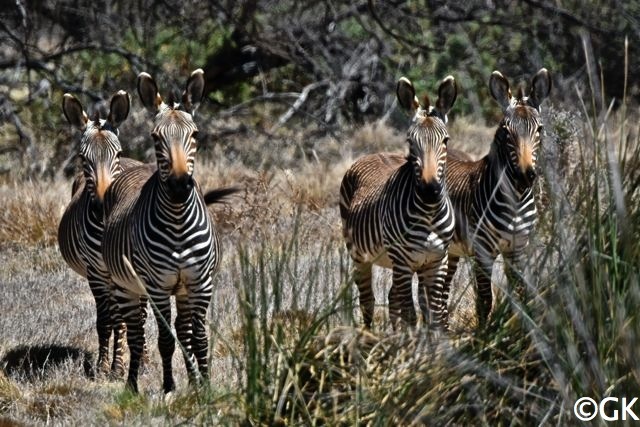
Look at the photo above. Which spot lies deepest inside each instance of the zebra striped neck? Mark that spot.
(425, 201)
(500, 202)
(417, 199)
(169, 201)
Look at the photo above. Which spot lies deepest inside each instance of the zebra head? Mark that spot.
(99, 146)
(428, 135)
(518, 135)
(174, 132)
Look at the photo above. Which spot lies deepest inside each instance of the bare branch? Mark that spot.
(267, 97)
(404, 40)
(299, 102)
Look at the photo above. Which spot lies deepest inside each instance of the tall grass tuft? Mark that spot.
(588, 327)
(288, 296)
(30, 213)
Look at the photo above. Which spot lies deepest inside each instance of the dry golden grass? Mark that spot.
(31, 212)
(283, 348)
(471, 137)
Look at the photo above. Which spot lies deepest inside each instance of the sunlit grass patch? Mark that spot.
(31, 212)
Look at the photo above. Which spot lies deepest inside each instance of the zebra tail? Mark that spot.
(220, 195)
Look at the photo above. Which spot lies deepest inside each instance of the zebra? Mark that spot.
(493, 197)
(81, 226)
(158, 233)
(396, 213)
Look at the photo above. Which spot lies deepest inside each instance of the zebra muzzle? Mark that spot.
(431, 190)
(180, 185)
(527, 177)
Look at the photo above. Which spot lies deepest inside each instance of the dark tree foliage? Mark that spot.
(326, 63)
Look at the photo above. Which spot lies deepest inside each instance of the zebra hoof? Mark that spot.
(103, 368)
(132, 386)
(169, 386)
(116, 373)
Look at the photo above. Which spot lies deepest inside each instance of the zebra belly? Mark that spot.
(383, 260)
(516, 235)
(83, 254)
(426, 258)
(172, 279)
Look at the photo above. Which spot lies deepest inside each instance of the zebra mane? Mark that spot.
(96, 118)
(174, 101)
(171, 99)
(520, 97)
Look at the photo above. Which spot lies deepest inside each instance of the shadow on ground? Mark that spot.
(30, 362)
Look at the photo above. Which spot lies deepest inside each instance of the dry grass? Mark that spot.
(283, 346)
(471, 137)
(31, 212)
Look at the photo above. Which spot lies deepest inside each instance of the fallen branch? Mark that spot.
(299, 102)
(269, 96)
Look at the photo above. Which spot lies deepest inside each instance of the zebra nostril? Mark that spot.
(531, 174)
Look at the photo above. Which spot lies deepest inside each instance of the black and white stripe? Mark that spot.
(396, 213)
(493, 197)
(158, 220)
(81, 227)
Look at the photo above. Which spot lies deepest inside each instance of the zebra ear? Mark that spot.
(540, 88)
(500, 91)
(119, 109)
(447, 94)
(195, 90)
(407, 95)
(74, 112)
(148, 91)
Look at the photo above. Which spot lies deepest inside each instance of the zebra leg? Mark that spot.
(514, 270)
(201, 344)
(401, 298)
(452, 266)
(143, 316)
(100, 290)
(484, 299)
(362, 277)
(184, 331)
(432, 288)
(129, 308)
(119, 336)
(166, 341)
(199, 303)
